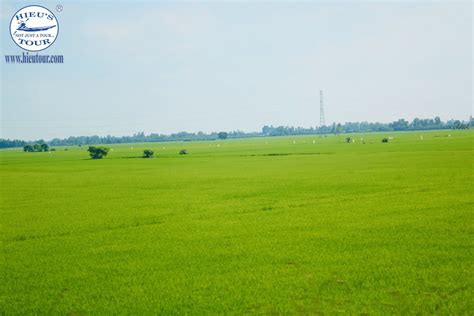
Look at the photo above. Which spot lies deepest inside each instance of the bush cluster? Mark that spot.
(97, 152)
(38, 147)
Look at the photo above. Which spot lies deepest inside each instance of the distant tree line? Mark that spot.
(136, 138)
(365, 127)
(142, 138)
(7, 143)
(348, 127)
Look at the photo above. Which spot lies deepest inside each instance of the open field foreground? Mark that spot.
(268, 225)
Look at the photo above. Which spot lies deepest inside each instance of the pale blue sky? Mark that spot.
(165, 67)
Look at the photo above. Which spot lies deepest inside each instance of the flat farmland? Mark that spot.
(272, 225)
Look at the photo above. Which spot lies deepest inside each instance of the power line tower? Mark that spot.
(321, 109)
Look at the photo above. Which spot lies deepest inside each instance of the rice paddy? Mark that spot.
(282, 225)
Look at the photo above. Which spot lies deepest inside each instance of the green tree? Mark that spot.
(222, 135)
(44, 147)
(97, 152)
(28, 148)
(457, 124)
(400, 125)
(148, 153)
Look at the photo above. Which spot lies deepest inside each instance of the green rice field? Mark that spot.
(272, 225)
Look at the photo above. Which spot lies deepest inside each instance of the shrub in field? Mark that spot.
(147, 153)
(38, 147)
(97, 152)
(384, 140)
(28, 148)
(183, 152)
(348, 140)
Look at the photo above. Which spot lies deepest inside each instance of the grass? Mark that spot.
(251, 226)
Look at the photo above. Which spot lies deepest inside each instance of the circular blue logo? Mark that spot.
(34, 28)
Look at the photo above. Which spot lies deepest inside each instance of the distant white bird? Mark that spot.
(314, 142)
